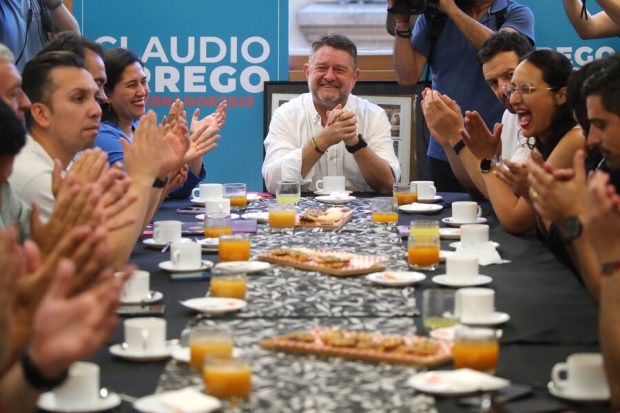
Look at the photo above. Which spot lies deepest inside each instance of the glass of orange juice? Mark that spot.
(384, 211)
(288, 191)
(476, 348)
(210, 341)
(238, 195)
(228, 285)
(235, 247)
(405, 193)
(216, 225)
(282, 217)
(227, 378)
(423, 245)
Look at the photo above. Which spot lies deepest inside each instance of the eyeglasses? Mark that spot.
(524, 89)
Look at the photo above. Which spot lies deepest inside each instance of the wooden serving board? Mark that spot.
(442, 355)
(347, 214)
(358, 265)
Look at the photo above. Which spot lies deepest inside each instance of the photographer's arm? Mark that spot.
(475, 32)
(409, 64)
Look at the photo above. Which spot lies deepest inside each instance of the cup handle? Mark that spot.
(144, 333)
(194, 193)
(479, 208)
(555, 374)
(433, 191)
(319, 187)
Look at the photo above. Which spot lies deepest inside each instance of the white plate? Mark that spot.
(450, 233)
(555, 391)
(167, 266)
(47, 401)
(444, 383)
(443, 254)
(457, 244)
(253, 196)
(329, 193)
(155, 296)
(491, 320)
(183, 355)
(436, 198)
(443, 279)
(118, 351)
(417, 208)
(328, 199)
(201, 217)
(250, 197)
(153, 404)
(214, 305)
(449, 221)
(209, 244)
(243, 266)
(151, 243)
(261, 217)
(396, 278)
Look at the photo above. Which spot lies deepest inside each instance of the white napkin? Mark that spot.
(339, 195)
(189, 400)
(466, 378)
(486, 253)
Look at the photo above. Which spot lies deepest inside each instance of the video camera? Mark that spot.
(408, 7)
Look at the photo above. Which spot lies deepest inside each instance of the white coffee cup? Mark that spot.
(474, 304)
(145, 334)
(186, 255)
(80, 391)
(137, 287)
(331, 184)
(426, 189)
(165, 232)
(461, 267)
(208, 191)
(585, 376)
(465, 212)
(473, 235)
(217, 206)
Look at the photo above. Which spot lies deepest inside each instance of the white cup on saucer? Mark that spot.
(137, 287)
(461, 268)
(208, 191)
(186, 255)
(474, 304)
(584, 376)
(331, 184)
(473, 235)
(426, 189)
(80, 391)
(465, 212)
(217, 206)
(165, 232)
(145, 334)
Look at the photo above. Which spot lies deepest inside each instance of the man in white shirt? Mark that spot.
(329, 131)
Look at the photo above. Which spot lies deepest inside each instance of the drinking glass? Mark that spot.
(238, 195)
(228, 285)
(282, 217)
(209, 341)
(227, 378)
(216, 225)
(288, 191)
(234, 247)
(405, 193)
(384, 211)
(423, 245)
(438, 308)
(476, 348)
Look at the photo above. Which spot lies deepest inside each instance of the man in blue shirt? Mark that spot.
(459, 30)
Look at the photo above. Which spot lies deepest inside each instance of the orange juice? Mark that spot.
(384, 217)
(238, 200)
(218, 346)
(282, 219)
(423, 255)
(228, 286)
(216, 232)
(477, 355)
(228, 381)
(234, 249)
(405, 197)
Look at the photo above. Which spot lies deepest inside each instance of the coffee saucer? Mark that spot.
(214, 305)
(119, 350)
(450, 233)
(336, 200)
(168, 266)
(209, 244)
(343, 193)
(443, 279)
(419, 208)
(436, 198)
(201, 217)
(248, 267)
(151, 243)
(198, 201)
(452, 223)
(47, 401)
(457, 244)
(493, 319)
(182, 354)
(151, 297)
(562, 394)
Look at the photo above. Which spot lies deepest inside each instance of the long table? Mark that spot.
(552, 316)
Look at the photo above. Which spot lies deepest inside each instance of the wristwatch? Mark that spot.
(160, 183)
(486, 165)
(360, 145)
(571, 228)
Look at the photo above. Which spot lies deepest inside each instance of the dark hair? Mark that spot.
(73, 42)
(576, 99)
(11, 130)
(337, 41)
(556, 70)
(604, 81)
(36, 80)
(504, 42)
(116, 61)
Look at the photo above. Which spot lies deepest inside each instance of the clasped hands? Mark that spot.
(341, 125)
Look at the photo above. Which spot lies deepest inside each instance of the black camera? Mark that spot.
(408, 7)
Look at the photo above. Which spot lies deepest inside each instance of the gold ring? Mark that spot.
(533, 195)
